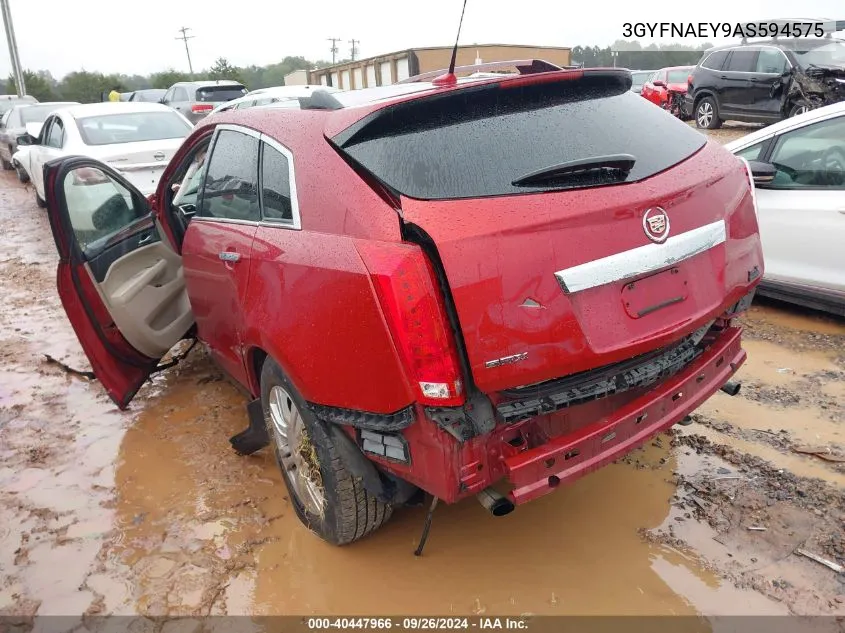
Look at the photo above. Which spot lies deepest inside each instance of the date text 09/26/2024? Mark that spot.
(723, 29)
(418, 623)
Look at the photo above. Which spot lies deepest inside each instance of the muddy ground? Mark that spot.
(150, 512)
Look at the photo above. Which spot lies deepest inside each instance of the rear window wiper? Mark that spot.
(612, 164)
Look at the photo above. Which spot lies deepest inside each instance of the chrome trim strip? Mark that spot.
(641, 260)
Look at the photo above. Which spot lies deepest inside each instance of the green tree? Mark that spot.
(222, 69)
(167, 78)
(37, 85)
(84, 86)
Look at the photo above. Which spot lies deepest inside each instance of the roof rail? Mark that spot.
(523, 66)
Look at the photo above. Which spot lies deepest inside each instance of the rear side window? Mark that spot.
(477, 141)
(715, 60)
(742, 61)
(275, 185)
(230, 190)
(220, 93)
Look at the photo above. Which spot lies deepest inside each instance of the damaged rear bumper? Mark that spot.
(538, 471)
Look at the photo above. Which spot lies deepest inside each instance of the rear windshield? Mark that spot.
(679, 75)
(220, 93)
(132, 127)
(37, 113)
(475, 142)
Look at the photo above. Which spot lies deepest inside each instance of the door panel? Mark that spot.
(736, 81)
(217, 258)
(145, 294)
(139, 309)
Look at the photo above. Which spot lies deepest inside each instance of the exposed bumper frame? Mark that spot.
(538, 471)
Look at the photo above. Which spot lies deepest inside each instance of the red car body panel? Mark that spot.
(218, 289)
(306, 298)
(658, 95)
(495, 259)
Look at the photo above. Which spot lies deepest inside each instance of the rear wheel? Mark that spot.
(6, 164)
(42, 204)
(325, 495)
(707, 114)
(22, 175)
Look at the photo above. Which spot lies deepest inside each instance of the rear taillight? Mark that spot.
(413, 307)
(89, 176)
(201, 107)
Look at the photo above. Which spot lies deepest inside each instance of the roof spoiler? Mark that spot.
(523, 66)
(320, 100)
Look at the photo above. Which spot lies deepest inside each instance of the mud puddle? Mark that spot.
(150, 511)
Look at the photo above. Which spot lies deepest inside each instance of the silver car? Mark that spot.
(196, 99)
(13, 124)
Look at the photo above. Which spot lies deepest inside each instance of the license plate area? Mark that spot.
(646, 296)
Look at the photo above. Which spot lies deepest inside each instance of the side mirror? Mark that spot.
(659, 82)
(25, 139)
(762, 173)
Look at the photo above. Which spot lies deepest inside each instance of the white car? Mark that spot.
(136, 139)
(266, 96)
(799, 173)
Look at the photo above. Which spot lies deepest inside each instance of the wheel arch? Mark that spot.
(701, 94)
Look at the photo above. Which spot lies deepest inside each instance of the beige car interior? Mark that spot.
(145, 294)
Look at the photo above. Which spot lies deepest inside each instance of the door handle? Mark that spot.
(146, 239)
(229, 256)
(723, 76)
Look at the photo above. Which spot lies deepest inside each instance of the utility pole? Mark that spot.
(17, 71)
(334, 41)
(185, 37)
(354, 49)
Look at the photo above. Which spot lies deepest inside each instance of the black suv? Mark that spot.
(763, 82)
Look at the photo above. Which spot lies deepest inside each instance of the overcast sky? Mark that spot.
(139, 36)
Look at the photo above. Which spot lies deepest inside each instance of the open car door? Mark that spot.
(121, 286)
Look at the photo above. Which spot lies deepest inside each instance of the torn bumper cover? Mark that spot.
(538, 471)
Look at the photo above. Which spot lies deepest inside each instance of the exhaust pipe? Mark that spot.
(495, 503)
(731, 388)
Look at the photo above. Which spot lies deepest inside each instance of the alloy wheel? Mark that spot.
(297, 454)
(705, 114)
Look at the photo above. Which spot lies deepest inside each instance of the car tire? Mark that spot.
(329, 501)
(21, 172)
(799, 107)
(42, 204)
(7, 166)
(707, 114)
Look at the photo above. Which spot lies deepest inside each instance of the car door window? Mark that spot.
(742, 60)
(754, 151)
(4, 122)
(276, 178)
(168, 96)
(771, 61)
(56, 136)
(715, 60)
(98, 207)
(812, 156)
(230, 188)
(180, 94)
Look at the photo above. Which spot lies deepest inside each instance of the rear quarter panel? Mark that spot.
(311, 305)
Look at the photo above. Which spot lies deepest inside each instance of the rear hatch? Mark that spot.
(552, 271)
(215, 95)
(142, 164)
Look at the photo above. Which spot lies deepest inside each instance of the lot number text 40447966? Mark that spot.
(418, 623)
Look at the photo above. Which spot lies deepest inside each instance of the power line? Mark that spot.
(334, 41)
(185, 37)
(354, 49)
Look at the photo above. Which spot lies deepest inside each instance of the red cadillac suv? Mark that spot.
(425, 286)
